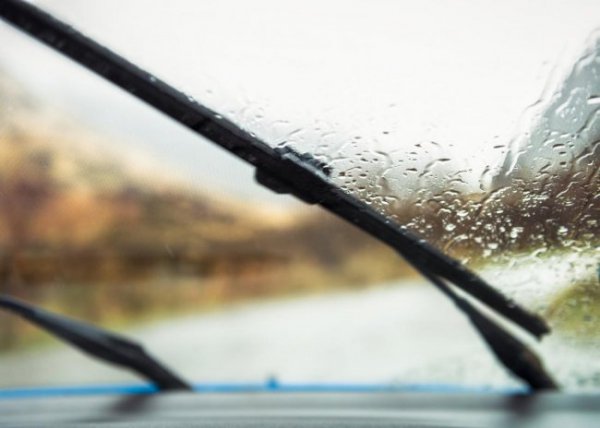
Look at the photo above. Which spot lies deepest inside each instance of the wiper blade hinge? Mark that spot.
(291, 159)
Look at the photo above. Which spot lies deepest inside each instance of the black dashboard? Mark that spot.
(305, 410)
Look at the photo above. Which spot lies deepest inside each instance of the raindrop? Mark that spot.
(593, 100)
(450, 227)
(515, 232)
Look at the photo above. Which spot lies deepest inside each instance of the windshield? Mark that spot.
(473, 126)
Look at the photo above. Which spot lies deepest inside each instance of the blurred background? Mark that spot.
(475, 125)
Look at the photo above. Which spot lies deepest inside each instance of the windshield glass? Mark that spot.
(474, 125)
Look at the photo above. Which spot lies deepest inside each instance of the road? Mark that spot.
(400, 332)
(388, 333)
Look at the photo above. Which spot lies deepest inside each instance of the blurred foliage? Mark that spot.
(561, 210)
(82, 232)
(576, 310)
(83, 235)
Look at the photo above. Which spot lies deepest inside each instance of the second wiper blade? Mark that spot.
(98, 343)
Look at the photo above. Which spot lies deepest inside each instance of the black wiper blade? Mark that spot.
(98, 343)
(281, 170)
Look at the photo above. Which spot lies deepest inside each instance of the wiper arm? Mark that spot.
(98, 343)
(281, 170)
(515, 355)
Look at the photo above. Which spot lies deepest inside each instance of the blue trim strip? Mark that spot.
(269, 386)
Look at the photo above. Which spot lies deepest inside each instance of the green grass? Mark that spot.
(576, 310)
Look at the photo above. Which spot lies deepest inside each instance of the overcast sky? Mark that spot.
(387, 75)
